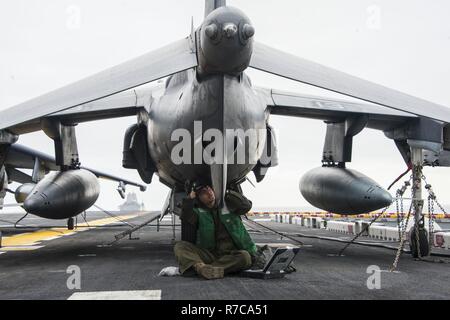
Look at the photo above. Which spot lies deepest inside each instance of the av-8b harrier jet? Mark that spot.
(207, 90)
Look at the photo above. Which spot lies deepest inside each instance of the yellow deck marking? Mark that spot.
(33, 238)
(26, 240)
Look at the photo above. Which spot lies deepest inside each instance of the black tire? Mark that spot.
(71, 224)
(188, 232)
(423, 243)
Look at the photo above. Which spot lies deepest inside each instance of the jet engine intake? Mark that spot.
(136, 154)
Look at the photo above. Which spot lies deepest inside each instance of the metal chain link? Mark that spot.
(397, 206)
(400, 209)
(431, 215)
(402, 241)
(431, 197)
(404, 225)
(440, 206)
(431, 218)
(364, 230)
(435, 201)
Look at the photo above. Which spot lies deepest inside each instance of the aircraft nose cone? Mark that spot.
(34, 203)
(230, 30)
(383, 197)
(375, 198)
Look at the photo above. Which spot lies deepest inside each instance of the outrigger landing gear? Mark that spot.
(419, 242)
(419, 245)
(70, 224)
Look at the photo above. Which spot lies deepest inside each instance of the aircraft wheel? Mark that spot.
(70, 224)
(423, 243)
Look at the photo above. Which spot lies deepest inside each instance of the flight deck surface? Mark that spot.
(34, 265)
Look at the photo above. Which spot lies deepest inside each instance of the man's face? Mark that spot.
(207, 197)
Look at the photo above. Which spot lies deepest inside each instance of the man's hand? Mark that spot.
(192, 195)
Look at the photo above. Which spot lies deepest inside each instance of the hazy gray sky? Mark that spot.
(402, 44)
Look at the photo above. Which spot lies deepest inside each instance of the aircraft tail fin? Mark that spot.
(211, 5)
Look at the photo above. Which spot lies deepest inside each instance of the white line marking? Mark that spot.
(389, 271)
(2, 252)
(52, 238)
(87, 255)
(278, 244)
(21, 248)
(117, 295)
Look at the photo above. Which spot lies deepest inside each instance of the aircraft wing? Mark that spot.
(285, 103)
(288, 66)
(122, 104)
(22, 157)
(152, 66)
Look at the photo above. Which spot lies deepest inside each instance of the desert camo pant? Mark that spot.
(188, 254)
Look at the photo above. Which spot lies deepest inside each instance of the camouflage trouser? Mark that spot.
(188, 254)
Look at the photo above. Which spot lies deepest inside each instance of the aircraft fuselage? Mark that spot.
(218, 95)
(217, 102)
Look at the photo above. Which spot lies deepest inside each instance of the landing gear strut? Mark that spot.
(418, 236)
(70, 224)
